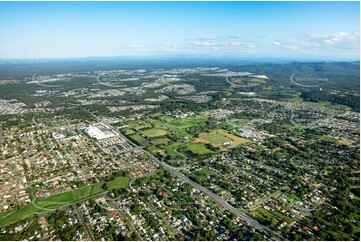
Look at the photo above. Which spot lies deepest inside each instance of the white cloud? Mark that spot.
(203, 43)
(341, 40)
(221, 44)
(170, 48)
(134, 46)
(291, 47)
(251, 46)
(234, 43)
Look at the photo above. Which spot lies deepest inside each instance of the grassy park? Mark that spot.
(49, 204)
(219, 137)
(119, 182)
(161, 131)
(199, 149)
(150, 133)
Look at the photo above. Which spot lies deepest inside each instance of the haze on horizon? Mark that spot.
(319, 30)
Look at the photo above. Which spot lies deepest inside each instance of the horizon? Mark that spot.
(255, 59)
(326, 31)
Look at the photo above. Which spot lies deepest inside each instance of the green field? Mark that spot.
(129, 131)
(88, 191)
(152, 149)
(19, 215)
(140, 125)
(170, 149)
(185, 122)
(263, 214)
(119, 182)
(216, 138)
(48, 204)
(199, 149)
(137, 137)
(161, 141)
(293, 198)
(154, 132)
(60, 199)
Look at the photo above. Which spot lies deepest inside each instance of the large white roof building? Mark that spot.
(100, 131)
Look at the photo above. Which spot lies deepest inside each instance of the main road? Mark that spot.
(195, 185)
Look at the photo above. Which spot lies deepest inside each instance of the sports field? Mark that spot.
(215, 138)
(218, 137)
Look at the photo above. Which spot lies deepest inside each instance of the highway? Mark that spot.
(195, 185)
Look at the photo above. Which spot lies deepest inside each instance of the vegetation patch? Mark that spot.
(47, 204)
(216, 139)
(161, 141)
(119, 182)
(129, 131)
(154, 132)
(293, 198)
(199, 149)
(220, 137)
(185, 122)
(137, 137)
(141, 126)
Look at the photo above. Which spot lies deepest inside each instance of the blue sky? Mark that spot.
(320, 30)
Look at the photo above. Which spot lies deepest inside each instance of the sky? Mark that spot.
(313, 30)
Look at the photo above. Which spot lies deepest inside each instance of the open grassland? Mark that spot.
(273, 218)
(236, 141)
(18, 215)
(185, 122)
(119, 182)
(215, 138)
(140, 125)
(161, 141)
(199, 149)
(172, 149)
(49, 204)
(129, 131)
(218, 137)
(137, 137)
(154, 132)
